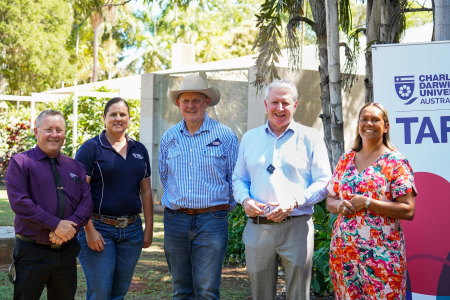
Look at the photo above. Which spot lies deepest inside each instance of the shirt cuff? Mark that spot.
(52, 222)
(301, 200)
(240, 198)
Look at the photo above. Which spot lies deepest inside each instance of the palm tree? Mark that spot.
(95, 10)
(91, 9)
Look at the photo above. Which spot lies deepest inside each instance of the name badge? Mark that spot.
(270, 169)
(214, 143)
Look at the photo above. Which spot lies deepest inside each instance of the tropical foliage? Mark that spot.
(14, 134)
(219, 29)
(15, 131)
(33, 35)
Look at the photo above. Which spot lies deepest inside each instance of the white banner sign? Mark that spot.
(413, 82)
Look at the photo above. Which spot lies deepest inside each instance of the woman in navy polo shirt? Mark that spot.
(118, 170)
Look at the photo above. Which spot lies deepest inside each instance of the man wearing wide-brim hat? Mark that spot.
(196, 163)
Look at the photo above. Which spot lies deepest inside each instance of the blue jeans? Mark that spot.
(109, 272)
(195, 247)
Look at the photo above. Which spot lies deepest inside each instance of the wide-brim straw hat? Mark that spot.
(195, 83)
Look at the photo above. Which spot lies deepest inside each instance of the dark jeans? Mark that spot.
(38, 266)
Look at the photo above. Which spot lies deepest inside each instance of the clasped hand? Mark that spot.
(63, 233)
(282, 210)
(355, 204)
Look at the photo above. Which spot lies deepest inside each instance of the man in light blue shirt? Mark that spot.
(281, 172)
(196, 162)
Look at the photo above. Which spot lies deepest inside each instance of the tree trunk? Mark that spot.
(373, 22)
(334, 69)
(442, 18)
(325, 93)
(317, 10)
(96, 20)
(379, 30)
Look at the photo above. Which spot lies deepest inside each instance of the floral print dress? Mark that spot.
(367, 251)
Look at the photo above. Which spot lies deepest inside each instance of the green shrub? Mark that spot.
(15, 131)
(236, 249)
(15, 134)
(323, 224)
(90, 122)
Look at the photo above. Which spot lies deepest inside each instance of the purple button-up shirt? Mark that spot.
(33, 197)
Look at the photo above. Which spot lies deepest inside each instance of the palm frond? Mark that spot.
(268, 22)
(293, 41)
(348, 74)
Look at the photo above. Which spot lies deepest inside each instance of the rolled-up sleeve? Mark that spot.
(20, 201)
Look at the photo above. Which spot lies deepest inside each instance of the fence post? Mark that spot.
(148, 129)
(33, 112)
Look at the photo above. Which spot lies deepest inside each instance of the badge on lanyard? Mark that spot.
(270, 169)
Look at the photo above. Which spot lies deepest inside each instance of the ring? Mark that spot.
(344, 208)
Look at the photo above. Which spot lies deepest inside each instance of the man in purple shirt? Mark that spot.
(49, 194)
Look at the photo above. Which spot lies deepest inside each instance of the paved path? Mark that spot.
(6, 232)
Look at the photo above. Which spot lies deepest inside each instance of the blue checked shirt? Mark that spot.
(301, 163)
(196, 170)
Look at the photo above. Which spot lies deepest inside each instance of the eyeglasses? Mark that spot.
(266, 209)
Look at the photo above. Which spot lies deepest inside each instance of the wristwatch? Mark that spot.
(367, 202)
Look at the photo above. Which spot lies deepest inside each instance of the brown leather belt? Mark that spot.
(264, 220)
(30, 240)
(119, 222)
(192, 211)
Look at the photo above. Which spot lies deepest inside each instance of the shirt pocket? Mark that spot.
(215, 157)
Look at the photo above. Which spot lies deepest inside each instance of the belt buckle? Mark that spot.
(123, 222)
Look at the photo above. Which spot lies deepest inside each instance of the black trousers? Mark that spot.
(38, 266)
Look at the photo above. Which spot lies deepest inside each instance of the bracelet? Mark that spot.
(367, 202)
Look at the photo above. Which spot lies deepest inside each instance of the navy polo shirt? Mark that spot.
(115, 181)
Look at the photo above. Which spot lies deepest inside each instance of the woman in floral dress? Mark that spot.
(372, 188)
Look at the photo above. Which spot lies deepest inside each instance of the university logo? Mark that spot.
(404, 86)
(138, 156)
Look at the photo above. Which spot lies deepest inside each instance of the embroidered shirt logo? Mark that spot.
(75, 178)
(138, 156)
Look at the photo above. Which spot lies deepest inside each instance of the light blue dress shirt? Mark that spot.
(196, 170)
(302, 168)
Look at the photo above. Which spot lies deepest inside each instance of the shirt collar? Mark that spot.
(40, 155)
(206, 125)
(106, 144)
(291, 127)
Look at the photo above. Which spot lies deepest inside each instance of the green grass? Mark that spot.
(6, 214)
(151, 278)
